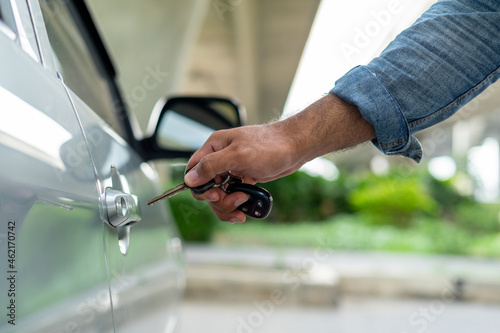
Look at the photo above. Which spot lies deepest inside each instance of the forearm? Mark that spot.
(330, 124)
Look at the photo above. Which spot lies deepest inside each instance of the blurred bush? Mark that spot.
(478, 218)
(399, 199)
(194, 219)
(405, 200)
(300, 197)
(393, 199)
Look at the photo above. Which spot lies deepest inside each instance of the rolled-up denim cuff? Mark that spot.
(362, 88)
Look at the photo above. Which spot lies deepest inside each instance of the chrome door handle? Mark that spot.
(119, 208)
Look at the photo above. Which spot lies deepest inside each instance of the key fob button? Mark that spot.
(259, 202)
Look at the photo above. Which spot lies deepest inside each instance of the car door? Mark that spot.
(54, 274)
(113, 278)
(144, 258)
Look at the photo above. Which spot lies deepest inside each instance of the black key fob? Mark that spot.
(259, 203)
(202, 188)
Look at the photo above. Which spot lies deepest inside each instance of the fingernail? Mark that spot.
(240, 201)
(234, 220)
(191, 177)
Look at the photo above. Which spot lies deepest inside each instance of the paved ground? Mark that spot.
(348, 263)
(357, 312)
(353, 315)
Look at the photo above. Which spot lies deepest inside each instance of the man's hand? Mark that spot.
(255, 153)
(263, 153)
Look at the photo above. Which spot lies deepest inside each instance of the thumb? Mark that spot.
(206, 169)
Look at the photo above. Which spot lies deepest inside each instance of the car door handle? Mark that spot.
(120, 208)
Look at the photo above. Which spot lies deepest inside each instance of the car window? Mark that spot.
(76, 59)
(6, 16)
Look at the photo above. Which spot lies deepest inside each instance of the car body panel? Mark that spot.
(48, 189)
(57, 158)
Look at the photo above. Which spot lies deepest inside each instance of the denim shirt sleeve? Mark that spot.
(432, 69)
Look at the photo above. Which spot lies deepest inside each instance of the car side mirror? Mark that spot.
(180, 125)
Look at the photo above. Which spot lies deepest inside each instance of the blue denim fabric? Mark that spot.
(432, 69)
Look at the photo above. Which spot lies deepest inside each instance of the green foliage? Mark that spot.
(478, 218)
(443, 237)
(403, 212)
(350, 232)
(300, 196)
(463, 211)
(445, 194)
(409, 211)
(195, 220)
(393, 199)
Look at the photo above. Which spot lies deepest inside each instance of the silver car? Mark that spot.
(80, 249)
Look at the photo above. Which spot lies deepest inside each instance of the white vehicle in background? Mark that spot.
(80, 249)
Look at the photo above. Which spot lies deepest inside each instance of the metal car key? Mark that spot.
(180, 188)
(259, 201)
